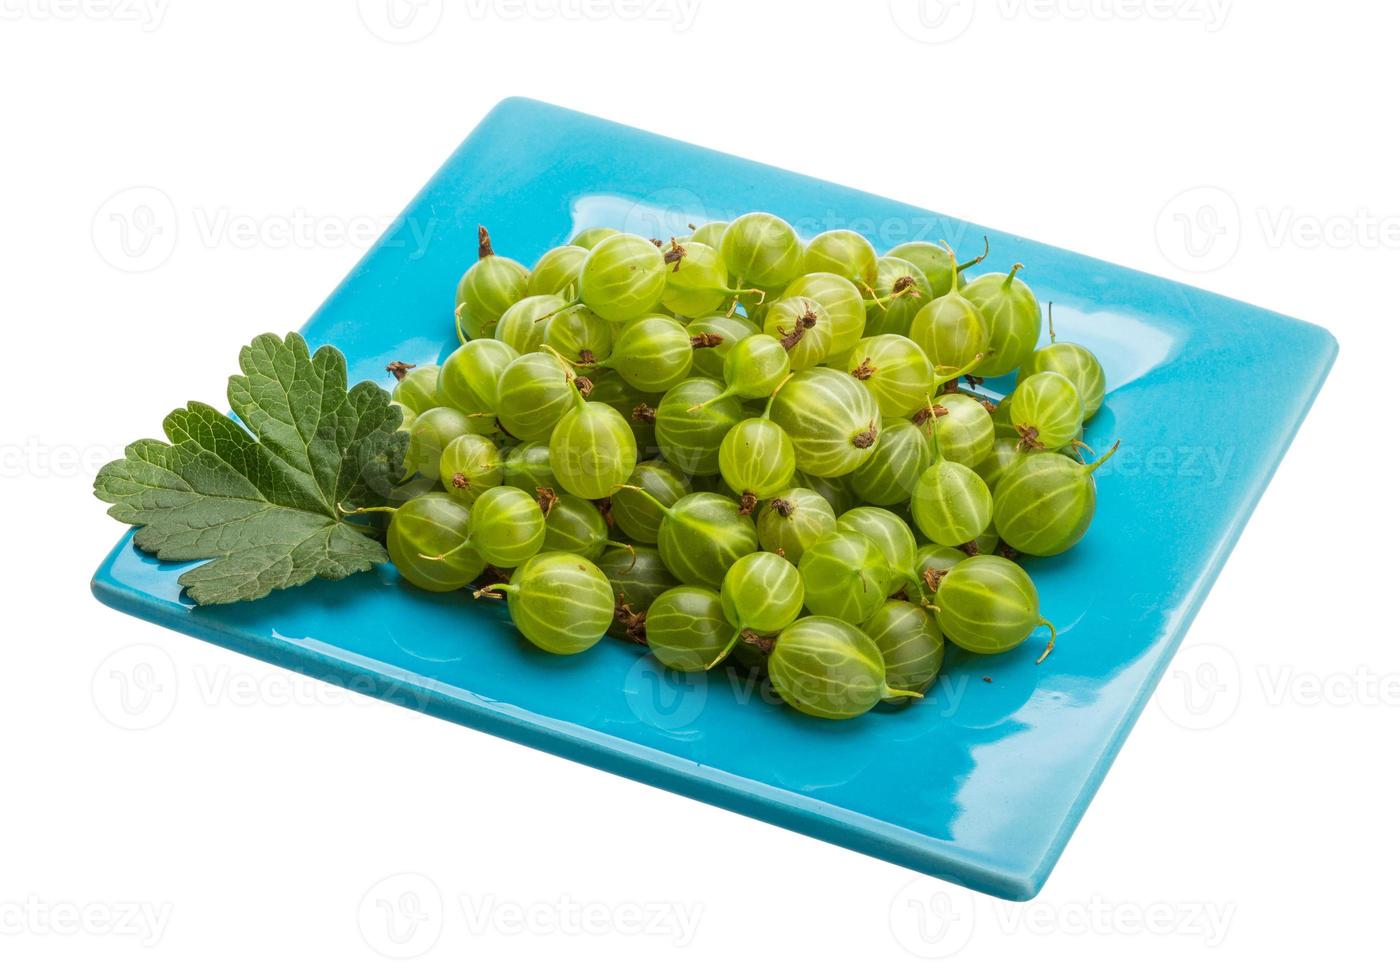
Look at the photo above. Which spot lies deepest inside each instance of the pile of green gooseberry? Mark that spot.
(739, 447)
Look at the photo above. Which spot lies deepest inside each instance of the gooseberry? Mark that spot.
(686, 628)
(829, 669)
(654, 353)
(487, 289)
(637, 514)
(533, 394)
(844, 253)
(895, 370)
(416, 385)
(1074, 362)
(469, 465)
(1012, 317)
(988, 604)
(845, 575)
(761, 250)
(900, 292)
(589, 237)
(429, 435)
(803, 327)
(592, 448)
(910, 644)
(709, 356)
(691, 439)
(710, 233)
(696, 279)
(522, 327)
(938, 263)
(794, 519)
(963, 426)
(761, 594)
(949, 329)
(468, 379)
(1047, 411)
(830, 417)
(701, 535)
(561, 602)
(526, 467)
(556, 274)
(1044, 503)
(756, 460)
(950, 504)
(900, 456)
(843, 304)
(892, 536)
(622, 278)
(432, 524)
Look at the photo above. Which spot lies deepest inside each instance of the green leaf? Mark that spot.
(264, 503)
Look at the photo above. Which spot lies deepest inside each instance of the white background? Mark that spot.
(252, 822)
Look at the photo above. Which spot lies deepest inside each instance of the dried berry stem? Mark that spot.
(763, 644)
(674, 254)
(747, 502)
(547, 498)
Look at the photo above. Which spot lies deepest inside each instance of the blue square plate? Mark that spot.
(982, 783)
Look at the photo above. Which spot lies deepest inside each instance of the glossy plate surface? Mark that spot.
(981, 784)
